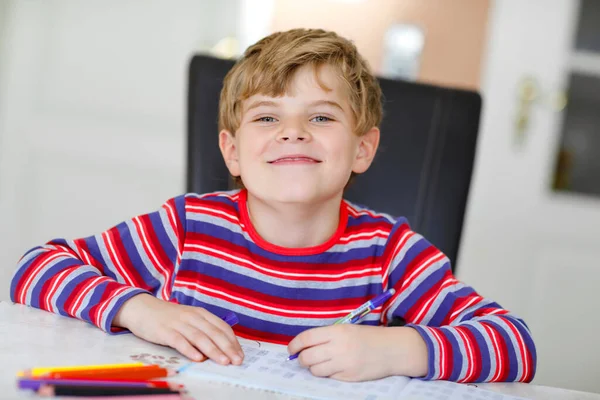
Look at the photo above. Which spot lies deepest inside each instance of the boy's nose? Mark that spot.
(292, 134)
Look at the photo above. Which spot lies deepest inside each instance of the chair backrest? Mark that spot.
(422, 170)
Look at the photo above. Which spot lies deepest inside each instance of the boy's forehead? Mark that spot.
(309, 84)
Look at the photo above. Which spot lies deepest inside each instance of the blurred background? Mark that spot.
(93, 131)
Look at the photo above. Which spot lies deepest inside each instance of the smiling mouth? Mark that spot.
(295, 160)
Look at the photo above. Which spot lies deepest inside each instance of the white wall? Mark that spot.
(92, 108)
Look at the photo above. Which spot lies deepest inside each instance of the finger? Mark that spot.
(325, 369)
(178, 341)
(218, 337)
(343, 376)
(199, 338)
(314, 355)
(309, 338)
(226, 329)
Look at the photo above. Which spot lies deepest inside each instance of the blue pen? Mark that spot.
(360, 312)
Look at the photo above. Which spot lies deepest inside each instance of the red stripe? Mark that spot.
(495, 341)
(476, 360)
(273, 301)
(82, 244)
(58, 279)
(469, 353)
(124, 260)
(393, 247)
(157, 247)
(141, 225)
(239, 299)
(262, 336)
(109, 243)
(175, 226)
(86, 286)
(231, 250)
(33, 270)
(426, 306)
(268, 270)
(522, 351)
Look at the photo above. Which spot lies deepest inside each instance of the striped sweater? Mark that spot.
(202, 250)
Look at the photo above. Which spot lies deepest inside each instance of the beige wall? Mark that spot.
(455, 31)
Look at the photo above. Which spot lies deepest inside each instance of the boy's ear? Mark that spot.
(228, 146)
(367, 148)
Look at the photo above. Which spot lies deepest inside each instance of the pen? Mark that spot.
(360, 312)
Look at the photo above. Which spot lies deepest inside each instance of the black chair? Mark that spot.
(423, 168)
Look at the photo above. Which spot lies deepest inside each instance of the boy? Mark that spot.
(298, 116)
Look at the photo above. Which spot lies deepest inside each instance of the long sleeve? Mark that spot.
(90, 278)
(469, 338)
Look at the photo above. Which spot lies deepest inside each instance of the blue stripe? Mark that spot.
(243, 281)
(49, 274)
(67, 290)
(457, 355)
(236, 239)
(397, 271)
(417, 294)
(255, 323)
(135, 259)
(484, 353)
(23, 269)
(447, 305)
(527, 338)
(511, 354)
(94, 250)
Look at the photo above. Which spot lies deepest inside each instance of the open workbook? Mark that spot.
(265, 367)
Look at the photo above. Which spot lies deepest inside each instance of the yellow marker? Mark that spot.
(45, 370)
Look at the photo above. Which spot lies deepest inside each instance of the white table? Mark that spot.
(30, 337)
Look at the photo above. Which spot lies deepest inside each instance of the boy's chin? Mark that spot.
(294, 194)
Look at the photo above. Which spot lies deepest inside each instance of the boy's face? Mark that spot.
(299, 148)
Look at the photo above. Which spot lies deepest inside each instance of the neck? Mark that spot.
(294, 225)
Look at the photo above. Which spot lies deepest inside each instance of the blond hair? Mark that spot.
(268, 67)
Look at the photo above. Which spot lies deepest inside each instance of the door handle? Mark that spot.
(530, 94)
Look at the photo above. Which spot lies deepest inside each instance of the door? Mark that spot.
(92, 112)
(533, 248)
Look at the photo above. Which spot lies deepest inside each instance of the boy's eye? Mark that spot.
(321, 118)
(266, 119)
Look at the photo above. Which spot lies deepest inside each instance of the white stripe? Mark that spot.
(258, 305)
(82, 254)
(276, 272)
(143, 255)
(230, 194)
(442, 353)
(154, 258)
(101, 319)
(368, 235)
(34, 274)
(431, 260)
(111, 248)
(213, 211)
(492, 333)
(73, 274)
(85, 295)
(449, 287)
(357, 211)
(400, 248)
(51, 293)
(167, 214)
(463, 309)
(469, 358)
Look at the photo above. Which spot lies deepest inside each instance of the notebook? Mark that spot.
(265, 368)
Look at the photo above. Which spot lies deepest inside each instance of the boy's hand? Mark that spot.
(193, 331)
(359, 352)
